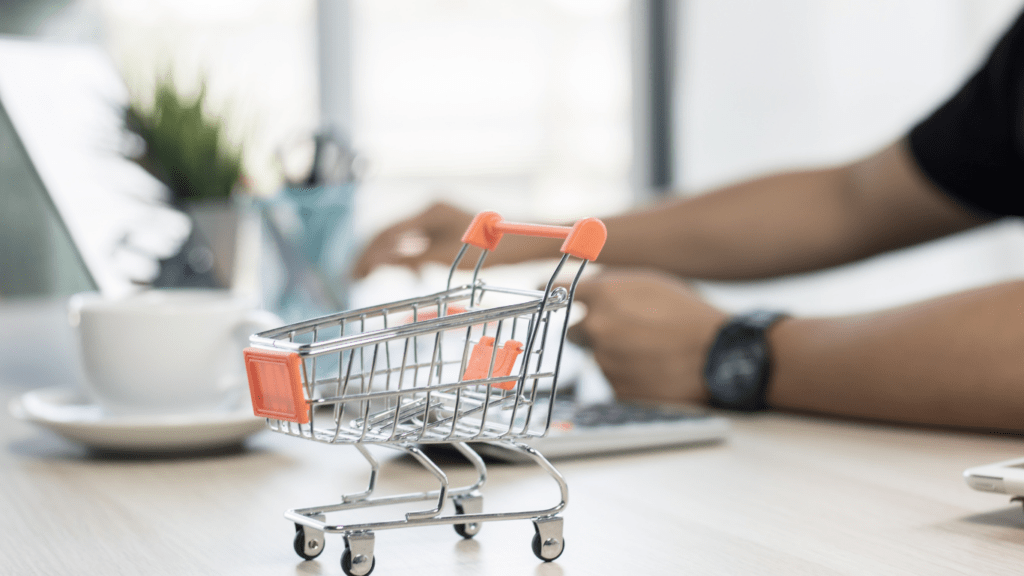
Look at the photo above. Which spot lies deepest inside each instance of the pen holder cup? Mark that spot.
(307, 250)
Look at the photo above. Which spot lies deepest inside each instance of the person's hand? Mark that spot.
(649, 334)
(434, 235)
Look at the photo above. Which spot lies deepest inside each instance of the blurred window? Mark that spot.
(522, 106)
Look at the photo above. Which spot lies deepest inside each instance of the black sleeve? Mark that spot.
(973, 146)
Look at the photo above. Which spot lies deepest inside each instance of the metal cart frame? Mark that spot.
(314, 381)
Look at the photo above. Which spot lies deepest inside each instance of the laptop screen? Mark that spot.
(63, 114)
(37, 257)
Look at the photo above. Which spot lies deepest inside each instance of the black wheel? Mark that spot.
(537, 549)
(346, 563)
(306, 553)
(465, 530)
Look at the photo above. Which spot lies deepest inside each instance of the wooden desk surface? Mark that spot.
(785, 495)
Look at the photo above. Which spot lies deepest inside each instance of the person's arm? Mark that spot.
(788, 223)
(780, 224)
(950, 361)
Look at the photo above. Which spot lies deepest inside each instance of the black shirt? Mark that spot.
(972, 147)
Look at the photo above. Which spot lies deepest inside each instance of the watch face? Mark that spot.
(737, 375)
(736, 372)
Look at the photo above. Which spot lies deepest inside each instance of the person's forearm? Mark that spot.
(952, 361)
(769, 226)
(773, 225)
(782, 224)
(754, 229)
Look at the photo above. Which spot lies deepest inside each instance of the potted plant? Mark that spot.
(185, 148)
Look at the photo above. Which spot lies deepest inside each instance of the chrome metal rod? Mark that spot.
(556, 299)
(477, 462)
(374, 469)
(561, 346)
(305, 516)
(476, 273)
(455, 264)
(532, 338)
(551, 470)
(427, 463)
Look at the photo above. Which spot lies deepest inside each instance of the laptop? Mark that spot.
(61, 110)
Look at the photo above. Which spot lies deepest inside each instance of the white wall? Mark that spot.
(766, 84)
(770, 85)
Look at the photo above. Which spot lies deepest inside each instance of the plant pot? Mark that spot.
(208, 258)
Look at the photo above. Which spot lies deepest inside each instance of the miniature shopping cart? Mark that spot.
(474, 363)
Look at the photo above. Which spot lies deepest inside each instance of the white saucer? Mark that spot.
(71, 414)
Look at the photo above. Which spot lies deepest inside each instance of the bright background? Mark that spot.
(527, 106)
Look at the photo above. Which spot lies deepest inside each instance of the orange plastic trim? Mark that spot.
(584, 240)
(539, 230)
(480, 361)
(481, 232)
(275, 385)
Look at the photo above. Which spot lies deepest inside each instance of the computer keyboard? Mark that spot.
(614, 414)
(608, 427)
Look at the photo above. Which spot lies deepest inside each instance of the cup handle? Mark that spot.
(254, 321)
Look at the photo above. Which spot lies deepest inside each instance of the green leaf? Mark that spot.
(185, 148)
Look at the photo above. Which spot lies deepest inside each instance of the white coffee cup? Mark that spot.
(176, 351)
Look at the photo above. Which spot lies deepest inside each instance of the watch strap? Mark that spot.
(750, 326)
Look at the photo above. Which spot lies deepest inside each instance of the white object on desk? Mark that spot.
(164, 352)
(72, 415)
(1005, 477)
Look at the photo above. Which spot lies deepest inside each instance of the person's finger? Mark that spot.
(402, 244)
(430, 236)
(370, 258)
(382, 249)
(618, 374)
(587, 291)
(593, 329)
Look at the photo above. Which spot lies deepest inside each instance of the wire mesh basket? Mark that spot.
(472, 363)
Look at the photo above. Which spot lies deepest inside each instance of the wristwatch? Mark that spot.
(739, 362)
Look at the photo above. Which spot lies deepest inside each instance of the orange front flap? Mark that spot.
(504, 360)
(275, 384)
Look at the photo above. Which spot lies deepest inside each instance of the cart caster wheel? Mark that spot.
(465, 530)
(548, 550)
(307, 548)
(348, 564)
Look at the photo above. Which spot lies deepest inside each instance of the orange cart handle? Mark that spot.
(582, 240)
